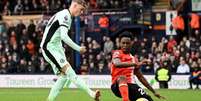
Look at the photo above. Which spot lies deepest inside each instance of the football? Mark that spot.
(141, 99)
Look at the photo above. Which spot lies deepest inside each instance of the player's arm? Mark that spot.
(117, 62)
(142, 79)
(67, 39)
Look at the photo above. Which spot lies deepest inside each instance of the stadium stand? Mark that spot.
(19, 43)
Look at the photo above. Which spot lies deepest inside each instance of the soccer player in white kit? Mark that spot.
(55, 32)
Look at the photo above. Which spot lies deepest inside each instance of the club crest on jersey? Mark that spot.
(65, 19)
(62, 60)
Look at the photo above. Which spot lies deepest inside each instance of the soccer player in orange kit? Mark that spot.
(123, 68)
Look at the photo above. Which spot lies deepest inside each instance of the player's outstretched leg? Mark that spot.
(70, 74)
(123, 88)
(56, 89)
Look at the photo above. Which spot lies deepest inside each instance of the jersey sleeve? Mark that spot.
(64, 20)
(65, 23)
(67, 39)
(116, 54)
(135, 59)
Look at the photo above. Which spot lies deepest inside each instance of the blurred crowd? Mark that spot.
(19, 7)
(20, 52)
(19, 47)
(180, 57)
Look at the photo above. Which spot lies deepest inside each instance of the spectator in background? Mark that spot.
(18, 8)
(43, 66)
(92, 68)
(186, 42)
(108, 46)
(195, 22)
(195, 75)
(163, 75)
(183, 68)
(11, 28)
(25, 37)
(103, 4)
(117, 43)
(193, 46)
(30, 67)
(179, 25)
(58, 5)
(198, 35)
(142, 49)
(174, 4)
(13, 38)
(88, 39)
(31, 27)
(162, 43)
(4, 38)
(19, 28)
(1, 49)
(93, 3)
(116, 4)
(35, 6)
(6, 10)
(22, 67)
(174, 63)
(154, 47)
(30, 47)
(84, 67)
(13, 62)
(26, 6)
(104, 24)
(171, 43)
(96, 47)
(101, 69)
(3, 65)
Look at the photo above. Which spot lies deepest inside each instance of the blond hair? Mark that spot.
(81, 2)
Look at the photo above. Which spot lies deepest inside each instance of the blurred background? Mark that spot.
(165, 31)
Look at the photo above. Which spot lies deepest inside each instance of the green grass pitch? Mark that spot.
(8, 94)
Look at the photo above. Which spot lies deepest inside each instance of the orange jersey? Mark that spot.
(125, 71)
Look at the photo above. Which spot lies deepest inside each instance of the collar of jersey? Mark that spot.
(70, 13)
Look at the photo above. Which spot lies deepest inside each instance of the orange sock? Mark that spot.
(123, 88)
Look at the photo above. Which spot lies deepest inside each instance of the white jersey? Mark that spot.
(56, 31)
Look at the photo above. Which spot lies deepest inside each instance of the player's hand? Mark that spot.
(143, 62)
(82, 50)
(159, 96)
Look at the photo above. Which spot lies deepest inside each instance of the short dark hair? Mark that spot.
(126, 34)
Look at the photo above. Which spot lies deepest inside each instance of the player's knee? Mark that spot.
(71, 75)
(65, 68)
(122, 79)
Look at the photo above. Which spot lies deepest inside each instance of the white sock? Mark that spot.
(56, 88)
(70, 73)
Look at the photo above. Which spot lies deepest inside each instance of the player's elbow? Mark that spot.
(118, 65)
